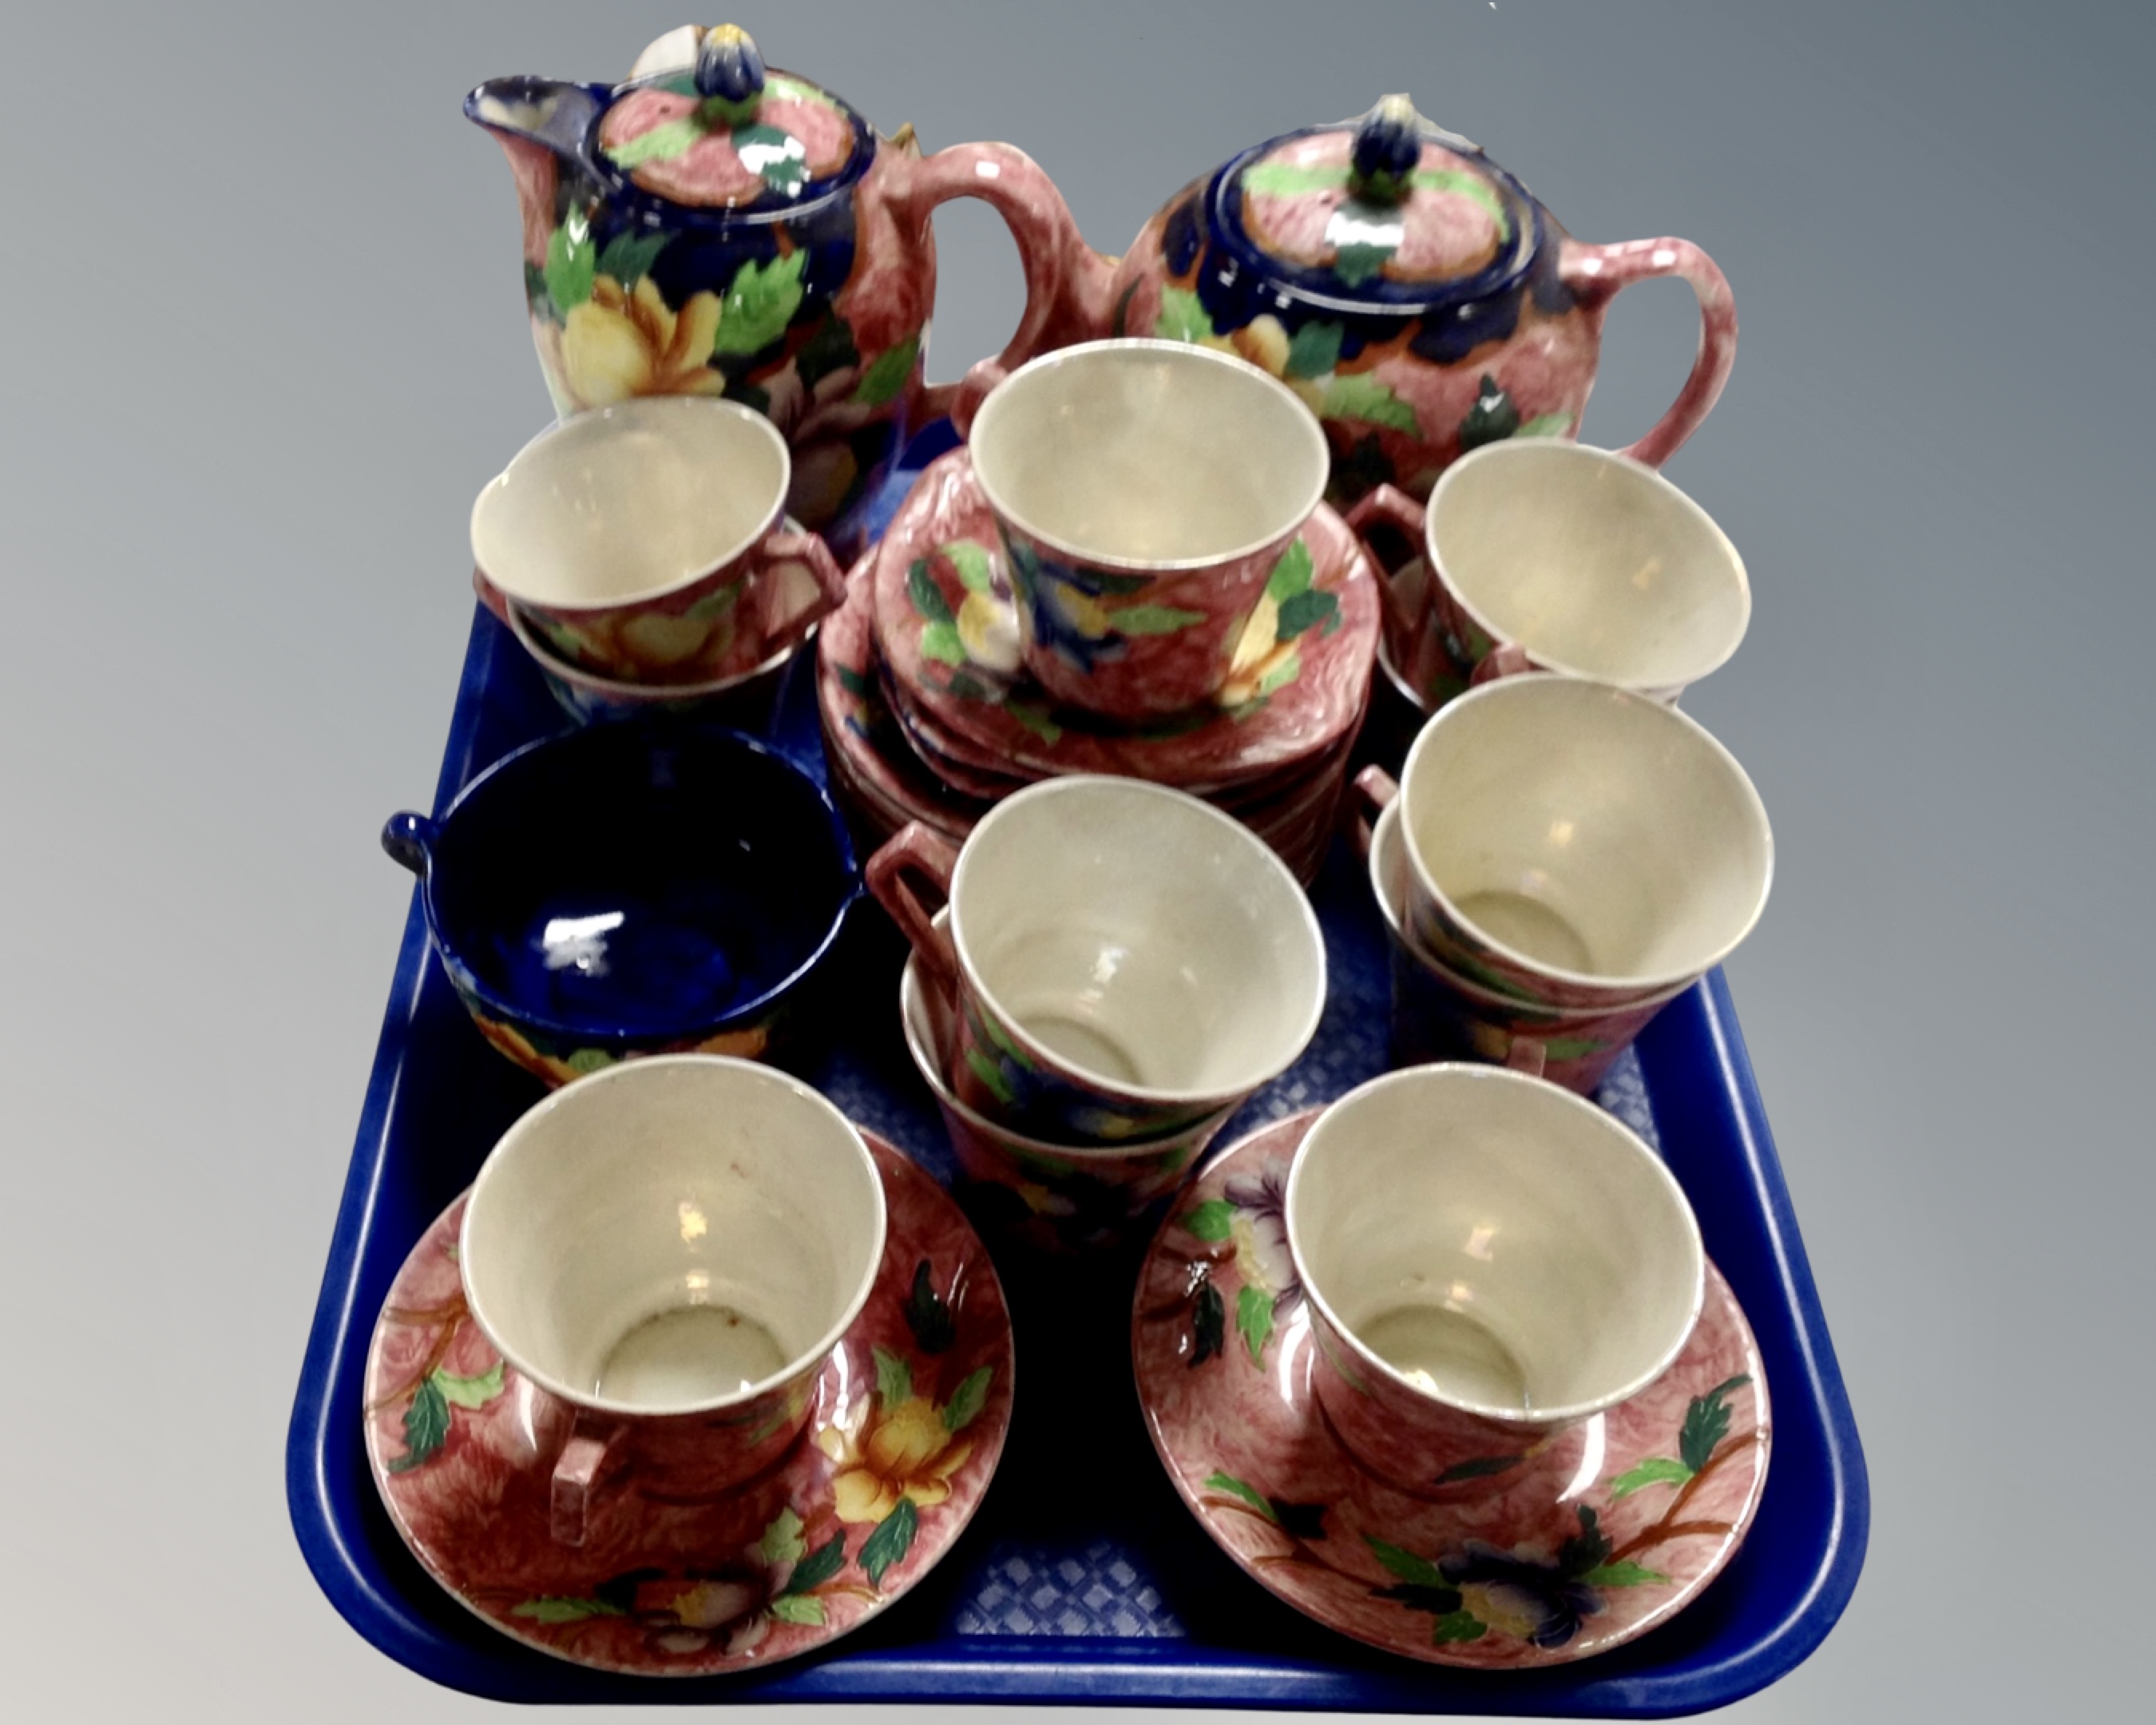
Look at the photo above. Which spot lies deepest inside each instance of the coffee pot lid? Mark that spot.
(702, 122)
(1387, 209)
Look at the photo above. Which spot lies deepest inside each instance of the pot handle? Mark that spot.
(1012, 184)
(914, 859)
(1370, 793)
(1395, 508)
(1597, 273)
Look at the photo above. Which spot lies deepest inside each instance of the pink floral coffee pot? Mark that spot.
(1411, 291)
(712, 227)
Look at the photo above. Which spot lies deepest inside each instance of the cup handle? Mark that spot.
(1507, 658)
(490, 596)
(1599, 273)
(1012, 183)
(586, 1460)
(1392, 507)
(410, 839)
(915, 858)
(1369, 795)
(808, 549)
(1526, 1055)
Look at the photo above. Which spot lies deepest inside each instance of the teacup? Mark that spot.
(651, 886)
(1059, 1196)
(645, 542)
(1128, 961)
(1439, 1015)
(746, 702)
(1489, 1261)
(1544, 555)
(1572, 843)
(1149, 493)
(673, 1249)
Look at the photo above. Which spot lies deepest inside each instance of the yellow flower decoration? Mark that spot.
(900, 1451)
(1259, 655)
(620, 344)
(1263, 341)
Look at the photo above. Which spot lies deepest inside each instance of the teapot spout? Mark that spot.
(540, 124)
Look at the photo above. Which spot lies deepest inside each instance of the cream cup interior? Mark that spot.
(630, 502)
(619, 1229)
(1594, 564)
(1594, 834)
(1151, 943)
(1493, 1243)
(1154, 454)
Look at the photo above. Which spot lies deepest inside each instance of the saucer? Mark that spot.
(910, 1418)
(948, 628)
(1576, 1547)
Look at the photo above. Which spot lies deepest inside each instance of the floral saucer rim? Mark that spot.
(1295, 709)
(907, 1467)
(1540, 1569)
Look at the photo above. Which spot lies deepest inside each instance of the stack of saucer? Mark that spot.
(929, 715)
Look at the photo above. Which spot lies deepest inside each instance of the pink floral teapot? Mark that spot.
(1414, 292)
(713, 227)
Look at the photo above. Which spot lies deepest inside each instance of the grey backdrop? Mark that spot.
(263, 341)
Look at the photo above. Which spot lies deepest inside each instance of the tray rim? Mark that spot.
(1699, 1029)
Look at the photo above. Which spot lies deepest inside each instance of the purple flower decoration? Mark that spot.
(1537, 1601)
(1261, 1201)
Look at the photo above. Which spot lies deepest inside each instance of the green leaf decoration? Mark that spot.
(830, 349)
(426, 1424)
(927, 1316)
(1281, 675)
(782, 1542)
(781, 158)
(1480, 1468)
(894, 1378)
(1359, 395)
(927, 597)
(1657, 1471)
(967, 1400)
(1458, 1626)
(1358, 261)
(1209, 1324)
(1304, 610)
(1314, 350)
(1254, 1317)
(942, 643)
(662, 143)
(714, 605)
(1545, 425)
(1113, 586)
(795, 1608)
(890, 1541)
(887, 373)
(1152, 619)
(1706, 1423)
(1291, 574)
(1570, 1047)
(571, 263)
(468, 1392)
(819, 1567)
(535, 294)
(1627, 1573)
(1183, 318)
(1237, 1488)
(759, 303)
(587, 1060)
(1586, 1549)
(983, 1066)
(1306, 1520)
(968, 687)
(551, 1608)
(975, 574)
(1491, 419)
(1405, 1564)
(1439, 1601)
(1211, 1220)
(629, 257)
(1035, 719)
(855, 683)
(1290, 179)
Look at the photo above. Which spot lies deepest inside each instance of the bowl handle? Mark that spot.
(410, 839)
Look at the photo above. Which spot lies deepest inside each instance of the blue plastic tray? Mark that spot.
(1093, 1585)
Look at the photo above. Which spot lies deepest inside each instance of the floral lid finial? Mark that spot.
(1388, 145)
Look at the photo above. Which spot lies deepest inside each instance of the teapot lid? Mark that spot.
(702, 122)
(1389, 209)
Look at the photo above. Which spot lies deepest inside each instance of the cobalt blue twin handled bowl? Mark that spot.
(651, 886)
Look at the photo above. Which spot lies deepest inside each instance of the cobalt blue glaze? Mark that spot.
(635, 885)
(1101, 1587)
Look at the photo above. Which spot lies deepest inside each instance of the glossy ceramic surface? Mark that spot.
(746, 702)
(946, 625)
(907, 1423)
(653, 887)
(1055, 1198)
(1513, 1560)
(712, 227)
(1413, 292)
